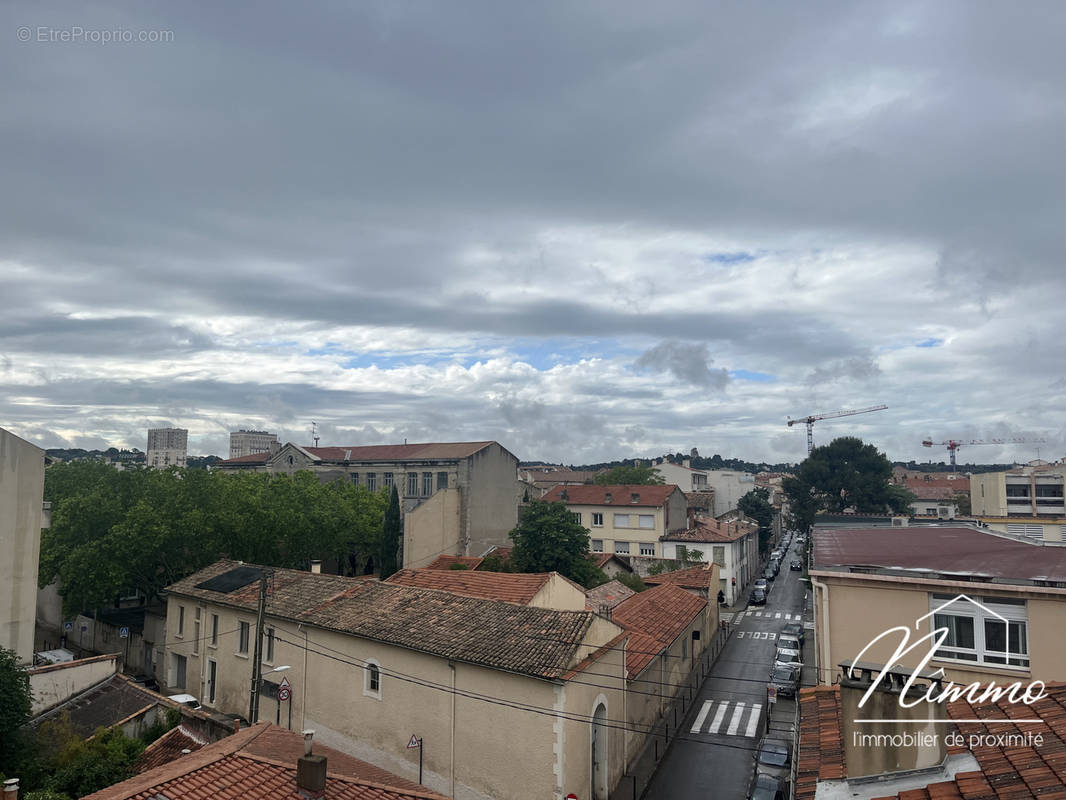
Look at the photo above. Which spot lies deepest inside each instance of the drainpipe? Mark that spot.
(303, 693)
(822, 658)
(451, 768)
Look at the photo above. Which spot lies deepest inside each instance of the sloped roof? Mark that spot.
(609, 594)
(691, 578)
(621, 495)
(712, 530)
(445, 562)
(601, 560)
(428, 451)
(661, 613)
(169, 746)
(507, 587)
(104, 704)
(642, 648)
(260, 762)
(538, 642)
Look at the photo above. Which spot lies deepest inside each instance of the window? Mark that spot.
(719, 554)
(427, 483)
(597, 545)
(372, 680)
(176, 674)
(412, 484)
(647, 521)
(442, 480)
(621, 520)
(647, 549)
(214, 630)
(992, 630)
(196, 634)
(212, 679)
(372, 481)
(621, 547)
(684, 648)
(388, 480)
(242, 645)
(181, 620)
(576, 516)
(269, 658)
(355, 478)
(597, 520)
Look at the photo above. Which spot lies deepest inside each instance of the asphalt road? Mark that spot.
(713, 757)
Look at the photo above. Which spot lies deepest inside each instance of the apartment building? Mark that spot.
(167, 447)
(21, 516)
(246, 443)
(1001, 597)
(371, 663)
(733, 545)
(683, 475)
(1027, 500)
(457, 498)
(628, 520)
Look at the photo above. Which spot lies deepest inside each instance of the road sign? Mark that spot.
(414, 742)
(571, 796)
(771, 693)
(123, 633)
(284, 690)
(68, 626)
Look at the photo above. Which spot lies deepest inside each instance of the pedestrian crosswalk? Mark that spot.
(784, 616)
(728, 718)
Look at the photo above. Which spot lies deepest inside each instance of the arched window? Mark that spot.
(372, 680)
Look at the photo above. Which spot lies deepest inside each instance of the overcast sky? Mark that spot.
(589, 230)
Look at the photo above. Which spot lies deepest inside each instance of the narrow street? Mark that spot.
(713, 757)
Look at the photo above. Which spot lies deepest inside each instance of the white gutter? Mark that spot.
(821, 659)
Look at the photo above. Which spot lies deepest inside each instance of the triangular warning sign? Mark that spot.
(414, 742)
(284, 682)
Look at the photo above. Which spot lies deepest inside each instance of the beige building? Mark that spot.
(683, 475)
(1028, 501)
(494, 689)
(1002, 599)
(732, 545)
(21, 516)
(625, 520)
(247, 443)
(167, 447)
(457, 498)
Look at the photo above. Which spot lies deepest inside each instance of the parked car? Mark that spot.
(769, 573)
(785, 680)
(757, 597)
(786, 641)
(795, 565)
(773, 759)
(147, 681)
(767, 787)
(775, 565)
(761, 584)
(186, 700)
(789, 657)
(795, 630)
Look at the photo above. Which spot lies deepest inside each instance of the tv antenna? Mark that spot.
(314, 432)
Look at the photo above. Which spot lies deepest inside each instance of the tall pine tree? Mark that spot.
(390, 536)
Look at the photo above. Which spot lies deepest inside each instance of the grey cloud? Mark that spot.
(859, 369)
(686, 362)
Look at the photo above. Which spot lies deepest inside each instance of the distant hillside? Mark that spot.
(133, 456)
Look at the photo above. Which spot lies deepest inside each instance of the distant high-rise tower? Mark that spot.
(246, 443)
(167, 447)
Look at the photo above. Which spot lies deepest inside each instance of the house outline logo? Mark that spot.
(1006, 622)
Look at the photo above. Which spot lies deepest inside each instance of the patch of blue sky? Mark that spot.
(730, 258)
(930, 343)
(547, 353)
(748, 375)
(274, 344)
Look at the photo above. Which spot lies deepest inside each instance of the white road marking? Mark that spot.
(702, 716)
(734, 723)
(719, 715)
(740, 634)
(777, 615)
(753, 720)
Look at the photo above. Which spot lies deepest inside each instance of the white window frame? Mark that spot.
(576, 516)
(244, 638)
(181, 622)
(367, 690)
(596, 545)
(597, 519)
(268, 645)
(617, 545)
(649, 546)
(214, 631)
(646, 522)
(624, 518)
(1015, 614)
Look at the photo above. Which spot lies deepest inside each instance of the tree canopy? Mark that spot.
(390, 538)
(14, 708)
(548, 539)
(846, 473)
(756, 505)
(117, 530)
(642, 474)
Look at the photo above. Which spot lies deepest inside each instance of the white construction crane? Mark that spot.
(954, 444)
(810, 420)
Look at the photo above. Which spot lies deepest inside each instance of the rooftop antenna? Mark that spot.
(314, 432)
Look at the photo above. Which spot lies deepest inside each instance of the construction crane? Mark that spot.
(831, 415)
(954, 444)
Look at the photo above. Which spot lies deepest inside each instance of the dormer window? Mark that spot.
(607, 497)
(634, 498)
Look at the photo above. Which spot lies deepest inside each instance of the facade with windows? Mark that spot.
(456, 498)
(246, 443)
(997, 600)
(1028, 501)
(627, 520)
(731, 543)
(167, 447)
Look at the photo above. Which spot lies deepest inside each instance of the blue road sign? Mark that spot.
(123, 633)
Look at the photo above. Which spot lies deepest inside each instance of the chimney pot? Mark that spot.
(308, 736)
(11, 789)
(316, 567)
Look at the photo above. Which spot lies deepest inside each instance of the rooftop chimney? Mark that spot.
(11, 789)
(316, 567)
(311, 771)
(686, 462)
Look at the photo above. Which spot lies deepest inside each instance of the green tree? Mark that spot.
(632, 580)
(390, 538)
(756, 505)
(85, 767)
(688, 556)
(641, 474)
(844, 474)
(962, 502)
(548, 539)
(15, 706)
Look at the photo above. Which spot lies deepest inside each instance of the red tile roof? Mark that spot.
(609, 594)
(691, 578)
(661, 613)
(428, 451)
(601, 560)
(243, 766)
(712, 530)
(642, 648)
(445, 562)
(947, 550)
(168, 747)
(621, 495)
(507, 587)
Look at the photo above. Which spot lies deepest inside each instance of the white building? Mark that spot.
(683, 475)
(167, 447)
(246, 443)
(729, 486)
(732, 545)
(21, 512)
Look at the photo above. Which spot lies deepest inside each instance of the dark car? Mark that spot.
(773, 759)
(793, 629)
(795, 565)
(148, 682)
(769, 573)
(767, 787)
(785, 680)
(761, 584)
(757, 598)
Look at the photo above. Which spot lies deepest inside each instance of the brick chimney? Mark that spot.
(311, 771)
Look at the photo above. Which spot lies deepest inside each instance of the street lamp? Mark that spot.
(282, 668)
(257, 687)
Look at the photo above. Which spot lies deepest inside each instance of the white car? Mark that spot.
(788, 657)
(186, 700)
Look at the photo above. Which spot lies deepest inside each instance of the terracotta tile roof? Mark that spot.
(641, 649)
(938, 549)
(601, 560)
(429, 451)
(254, 458)
(691, 578)
(661, 613)
(712, 530)
(923, 491)
(243, 766)
(445, 562)
(168, 747)
(502, 553)
(821, 740)
(539, 642)
(621, 496)
(609, 594)
(507, 587)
